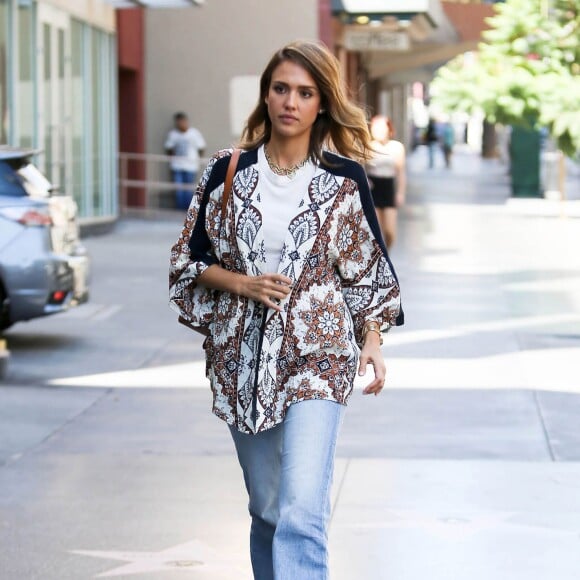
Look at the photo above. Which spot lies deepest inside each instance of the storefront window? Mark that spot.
(78, 102)
(58, 93)
(25, 88)
(47, 105)
(96, 118)
(113, 126)
(4, 71)
(63, 170)
(93, 86)
(103, 77)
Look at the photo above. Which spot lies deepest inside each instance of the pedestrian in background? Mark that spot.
(386, 172)
(431, 140)
(288, 286)
(447, 142)
(186, 144)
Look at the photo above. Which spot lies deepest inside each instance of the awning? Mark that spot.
(154, 3)
(395, 37)
(375, 10)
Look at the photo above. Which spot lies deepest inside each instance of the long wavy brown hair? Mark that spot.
(342, 126)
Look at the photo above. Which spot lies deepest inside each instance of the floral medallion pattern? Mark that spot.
(324, 322)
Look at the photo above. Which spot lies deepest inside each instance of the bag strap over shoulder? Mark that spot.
(232, 166)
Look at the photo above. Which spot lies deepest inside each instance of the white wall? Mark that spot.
(192, 55)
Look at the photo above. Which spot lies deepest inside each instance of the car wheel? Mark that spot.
(4, 309)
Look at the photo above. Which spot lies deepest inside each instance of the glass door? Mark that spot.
(4, 73)
(53, 37)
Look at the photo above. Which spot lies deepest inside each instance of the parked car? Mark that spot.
(44, 267)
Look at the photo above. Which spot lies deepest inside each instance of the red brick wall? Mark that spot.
(468, 19)
(325, 32)
(131, 61)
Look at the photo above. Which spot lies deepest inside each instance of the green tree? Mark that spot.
(527, 70)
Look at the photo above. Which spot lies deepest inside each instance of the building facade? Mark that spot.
(58, 95)
(206, 61)
(205, 58)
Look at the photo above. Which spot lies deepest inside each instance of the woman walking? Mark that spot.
(289, 283)
(386, 171)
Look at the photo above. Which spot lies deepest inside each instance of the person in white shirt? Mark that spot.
(186, 144)
(386, 173)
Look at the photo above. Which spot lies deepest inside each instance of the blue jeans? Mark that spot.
(288, 474)
(183, 196)
(433, 145)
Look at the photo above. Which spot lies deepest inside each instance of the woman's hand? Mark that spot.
(400, 199)
(268, 289)
(371, 354)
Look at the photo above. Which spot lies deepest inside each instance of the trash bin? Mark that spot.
(525, 162)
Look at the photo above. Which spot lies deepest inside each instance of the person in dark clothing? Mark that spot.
(431, 139)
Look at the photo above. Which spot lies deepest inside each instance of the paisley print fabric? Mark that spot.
(261, 361)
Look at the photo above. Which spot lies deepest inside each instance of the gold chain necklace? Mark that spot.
(286, 171)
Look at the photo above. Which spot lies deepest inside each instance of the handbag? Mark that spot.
(228, 183)
(232, 166)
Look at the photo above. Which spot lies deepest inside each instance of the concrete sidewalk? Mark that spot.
(467, 467)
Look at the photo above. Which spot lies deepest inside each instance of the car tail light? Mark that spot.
(57, 297)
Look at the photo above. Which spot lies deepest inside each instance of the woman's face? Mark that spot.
(293, 101)
(380, 130)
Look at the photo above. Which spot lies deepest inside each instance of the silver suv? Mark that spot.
(43, 266)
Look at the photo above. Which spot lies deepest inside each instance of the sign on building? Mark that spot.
(367, 38)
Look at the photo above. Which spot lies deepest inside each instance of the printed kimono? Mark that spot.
(261, 361)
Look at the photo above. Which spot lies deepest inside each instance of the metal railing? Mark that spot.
(146, 177)
(145, 180)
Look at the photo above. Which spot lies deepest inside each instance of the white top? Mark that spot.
(186, 146)
(383, 162)
(280, 197)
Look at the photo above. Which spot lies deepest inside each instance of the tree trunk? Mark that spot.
(488, 141)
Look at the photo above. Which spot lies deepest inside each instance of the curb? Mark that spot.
(543, 208)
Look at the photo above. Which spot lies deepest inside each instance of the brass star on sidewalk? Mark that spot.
(189, 556)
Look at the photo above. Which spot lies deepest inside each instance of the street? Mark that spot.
(466, 467)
